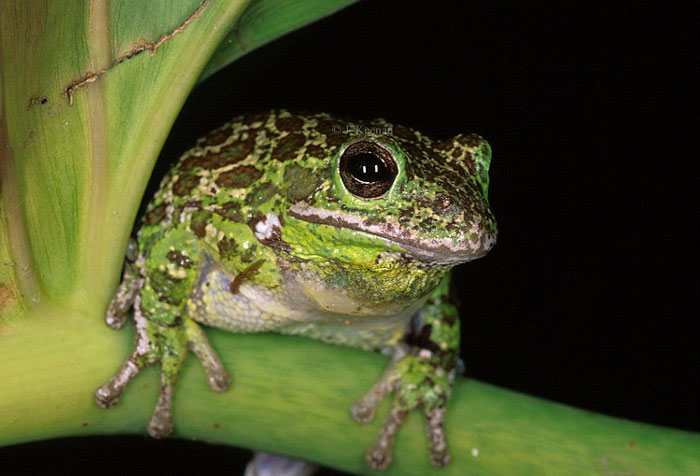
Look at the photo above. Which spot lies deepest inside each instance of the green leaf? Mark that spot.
(89, 93)
(90, 90)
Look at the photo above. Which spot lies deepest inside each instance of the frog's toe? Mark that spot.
(361, 412)
(440, 459)
(160, 426)
(108, 394)
(378, 458)
(219, 381)
(161, 423)
(218, 378)
(439, 454)
(115, 321)
(379, 454)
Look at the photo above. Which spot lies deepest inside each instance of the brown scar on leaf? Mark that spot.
(244, 276)
(134, 51)
(7, 297)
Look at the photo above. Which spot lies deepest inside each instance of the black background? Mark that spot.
(591, 295)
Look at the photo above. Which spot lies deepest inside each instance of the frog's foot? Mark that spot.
(108, 394)
(167, 345)
(116, 314)
(418, 381)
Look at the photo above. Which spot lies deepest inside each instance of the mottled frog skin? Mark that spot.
(310, 225)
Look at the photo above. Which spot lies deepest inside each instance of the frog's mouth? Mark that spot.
(435, 250)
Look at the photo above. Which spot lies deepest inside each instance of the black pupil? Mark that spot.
(367, 168)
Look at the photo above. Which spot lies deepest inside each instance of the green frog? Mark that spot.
(310, 225)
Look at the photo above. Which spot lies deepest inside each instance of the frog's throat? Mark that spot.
(432, 250)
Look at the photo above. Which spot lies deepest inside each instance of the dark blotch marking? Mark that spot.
(316, 151)
(217, 137)
(239, 177)
(237, 150)
(179, 259)
(405, 133)
(464, 157)
(189, 205)
(336, 139)
(231, 154)
(470, 140)
(156, 215)
(443, 145)
(244, 276)
(289, 124)
(414, 150)
(188, 164)
(184, 185)
(199, 222)
(288, 146)
(231, 211)
(228, 248)
(327, 126)
(417, 163)
(165, 286)
(421, 338)
(251, 118)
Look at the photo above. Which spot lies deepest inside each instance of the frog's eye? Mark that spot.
(367, 169)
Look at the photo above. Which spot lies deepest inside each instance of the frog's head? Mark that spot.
(389, 206)
(400, 192)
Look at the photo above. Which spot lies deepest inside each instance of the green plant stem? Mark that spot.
(291, 395)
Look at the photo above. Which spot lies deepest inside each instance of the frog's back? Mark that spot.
(235, 170)
(200, 174)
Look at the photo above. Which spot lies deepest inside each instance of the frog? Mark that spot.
(310, 225)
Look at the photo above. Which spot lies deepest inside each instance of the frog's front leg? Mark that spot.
(163, 330)
(420, 374)
(124, 298)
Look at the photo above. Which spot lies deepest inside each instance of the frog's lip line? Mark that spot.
(440, 253)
